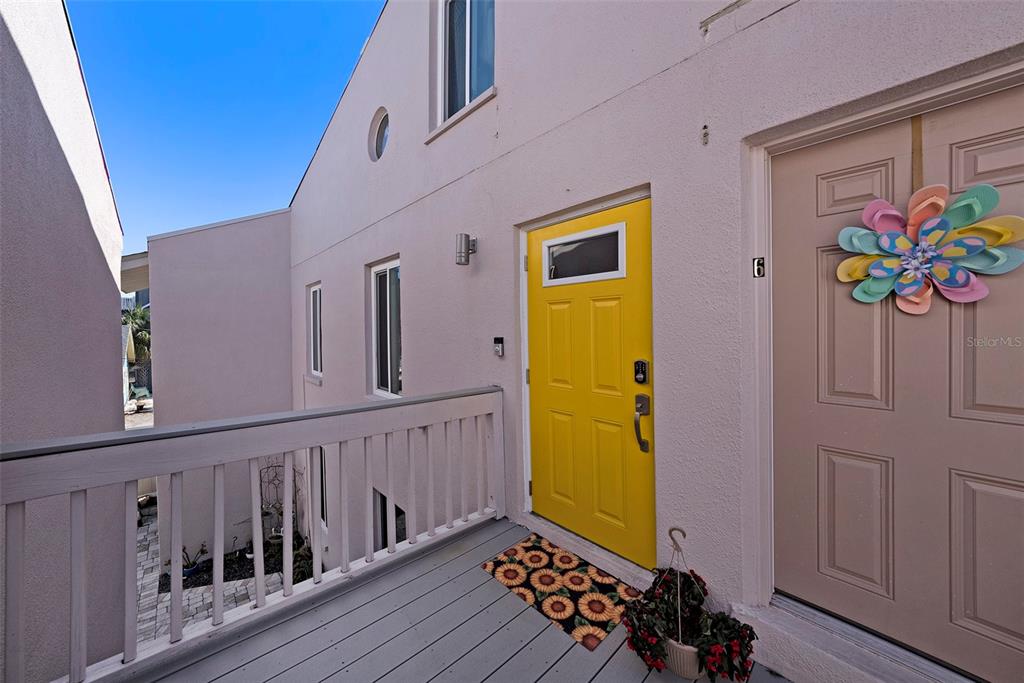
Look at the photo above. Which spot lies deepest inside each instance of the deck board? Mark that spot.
(437, 618)
(488, 656)
(580, 664)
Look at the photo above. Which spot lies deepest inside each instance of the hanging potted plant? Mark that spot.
(670, 628)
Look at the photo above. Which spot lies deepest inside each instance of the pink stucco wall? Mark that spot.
(60, 332)
(592, 99)
(221, 344)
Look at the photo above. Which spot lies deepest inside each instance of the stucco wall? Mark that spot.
(617, 102)
(221, 346)
(60, 352)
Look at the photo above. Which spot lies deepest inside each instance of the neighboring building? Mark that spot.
(826, 457)
(60, 247)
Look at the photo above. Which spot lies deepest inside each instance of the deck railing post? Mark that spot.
(14, 577)
(315, 524)
(288, 512)
(343, 450)
(77, 650)
(497, 455)
(131, 560)
(256, 497)
(176, 560)
(218, 545)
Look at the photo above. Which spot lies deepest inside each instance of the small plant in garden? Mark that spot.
(190, 561)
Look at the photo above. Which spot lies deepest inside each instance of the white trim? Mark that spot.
(318, 333)
(375, 389)
(617, 274)
(758, 505)
(524, 345)
(444, 126)
(469, 102)
(218, 224)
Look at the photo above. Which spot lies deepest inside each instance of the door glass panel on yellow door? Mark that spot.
(589, 310)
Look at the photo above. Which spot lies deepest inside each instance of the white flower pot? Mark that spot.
(682, 660)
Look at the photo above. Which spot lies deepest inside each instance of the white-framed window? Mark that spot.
(315, 331)
(467, 52)
(386, 321)
(588, 256)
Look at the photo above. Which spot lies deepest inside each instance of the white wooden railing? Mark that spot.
(430, 428)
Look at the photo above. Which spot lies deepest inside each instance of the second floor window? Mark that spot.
(316, 362)
(468, 51)
(387, 329)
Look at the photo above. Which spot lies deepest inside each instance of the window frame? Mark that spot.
(545, 254)
(315, 296)
(442, 77)
(384, 267)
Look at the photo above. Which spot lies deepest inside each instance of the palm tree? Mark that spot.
(137, 319)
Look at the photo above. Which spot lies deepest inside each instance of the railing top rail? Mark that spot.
(18, 451)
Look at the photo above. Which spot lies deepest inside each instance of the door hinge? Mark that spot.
(527, 375)
(530, 487)
(526, 263)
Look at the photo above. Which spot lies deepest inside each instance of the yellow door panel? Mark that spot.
(589, 316)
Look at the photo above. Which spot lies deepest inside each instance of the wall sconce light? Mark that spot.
(464, 246)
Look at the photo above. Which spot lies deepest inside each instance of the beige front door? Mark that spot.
(899, 439)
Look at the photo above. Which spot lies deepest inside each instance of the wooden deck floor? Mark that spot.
(438, 618)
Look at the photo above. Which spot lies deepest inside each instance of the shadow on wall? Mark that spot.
(60, 362)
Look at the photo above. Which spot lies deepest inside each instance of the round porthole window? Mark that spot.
(379, 130)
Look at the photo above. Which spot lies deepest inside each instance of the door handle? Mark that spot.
(642, 406)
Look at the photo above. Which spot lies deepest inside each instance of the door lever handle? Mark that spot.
(642, 406)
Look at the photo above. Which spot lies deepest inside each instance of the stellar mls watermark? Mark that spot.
(992, 342)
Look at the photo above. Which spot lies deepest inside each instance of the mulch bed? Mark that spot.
(582, 600)
(238, 566)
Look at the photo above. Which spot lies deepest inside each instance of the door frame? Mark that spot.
(758, 505)
(629, 196)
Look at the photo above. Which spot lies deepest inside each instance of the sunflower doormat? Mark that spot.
(576, 596)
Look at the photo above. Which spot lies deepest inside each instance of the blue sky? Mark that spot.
(211, 110)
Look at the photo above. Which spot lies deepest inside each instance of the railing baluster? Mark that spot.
(496, 463)
(343, 448)
(480, 423)
(78, 587)
(431, 432)
(14, 573)
(449, 429)
(218, 544)
(389, 486)
(287, 554)
(256, 498)
(410, 513)
(368, 471)
(176, 559)
(314, 518)
(463, 459)
(131, 559)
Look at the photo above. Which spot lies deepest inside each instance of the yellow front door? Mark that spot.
(589, 307)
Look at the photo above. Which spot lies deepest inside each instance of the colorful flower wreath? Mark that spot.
(941, 245)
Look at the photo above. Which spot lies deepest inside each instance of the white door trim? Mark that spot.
(758, 510)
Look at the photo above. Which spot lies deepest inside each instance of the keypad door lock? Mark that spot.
(640, 371)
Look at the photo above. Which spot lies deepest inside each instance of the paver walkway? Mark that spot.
(197, 603)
